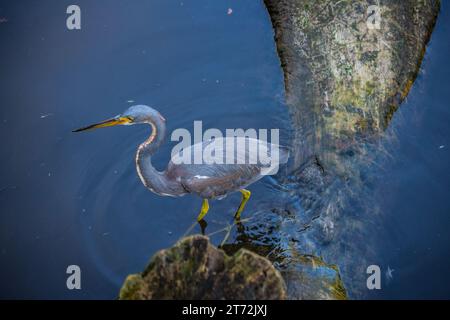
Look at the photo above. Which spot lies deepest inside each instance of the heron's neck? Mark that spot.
(150, 177)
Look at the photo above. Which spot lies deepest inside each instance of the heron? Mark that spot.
(206, 180)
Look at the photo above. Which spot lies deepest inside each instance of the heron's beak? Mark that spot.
(107, 123)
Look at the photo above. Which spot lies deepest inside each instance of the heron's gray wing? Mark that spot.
(217, 180)
(227, 164)
(233, 150)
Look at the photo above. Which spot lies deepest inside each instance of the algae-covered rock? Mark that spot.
(195, 269)
(347, 66)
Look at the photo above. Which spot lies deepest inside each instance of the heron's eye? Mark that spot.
(130, 118)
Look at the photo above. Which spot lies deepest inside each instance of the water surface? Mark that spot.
(70, 198)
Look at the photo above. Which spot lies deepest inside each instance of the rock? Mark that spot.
(344, 76)
(195, 269)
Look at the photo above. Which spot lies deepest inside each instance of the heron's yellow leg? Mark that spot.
(245, 196)
(204, 210)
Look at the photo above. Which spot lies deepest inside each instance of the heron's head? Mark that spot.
(133, 115)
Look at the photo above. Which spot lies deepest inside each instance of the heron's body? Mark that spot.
(213, 182)
(207, 179)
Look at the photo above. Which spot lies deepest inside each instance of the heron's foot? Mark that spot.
(203, 224)
(245, 196)
(204, 210)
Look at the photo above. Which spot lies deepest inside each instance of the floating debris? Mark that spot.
(8, 188)
(389, 273)
(105, 234)
(441, 147)
(130, 101)
(46, 115)
(229, 11)
(3, 20)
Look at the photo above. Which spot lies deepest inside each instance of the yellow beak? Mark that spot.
(107, 123)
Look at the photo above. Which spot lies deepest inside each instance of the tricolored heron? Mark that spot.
(207, 180)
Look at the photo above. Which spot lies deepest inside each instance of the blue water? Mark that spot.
(70, 198)
(414, 189)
